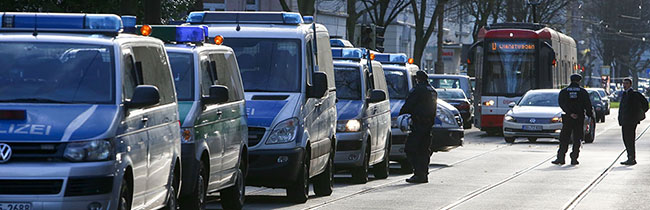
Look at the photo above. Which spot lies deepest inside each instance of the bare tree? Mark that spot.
(353, 16)
(285, 6)
(423, 31)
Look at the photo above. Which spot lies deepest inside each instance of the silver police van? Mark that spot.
(88, 115)
(363, 129)
(212, 113)
(288, 76)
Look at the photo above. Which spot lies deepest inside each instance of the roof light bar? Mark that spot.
(347, 53)
(392, 58)
(129, 23)
(219, 17)
(179, 34)
(61, 22)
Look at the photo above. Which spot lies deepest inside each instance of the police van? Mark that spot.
(447, 132)
(363, 129)
(88, 115)
(288, 76)
(212, 114)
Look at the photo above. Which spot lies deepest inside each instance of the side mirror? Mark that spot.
(319, 85)
(512, 104)
(144, 96)
(377, 96)
(218, 94)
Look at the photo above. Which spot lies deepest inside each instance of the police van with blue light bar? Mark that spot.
(212, 113)
(447, 132)
(88, 115)
(288, 76)
(363, 128)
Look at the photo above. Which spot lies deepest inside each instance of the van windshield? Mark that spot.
(397, 81)
(183, 72)
(56, 73)
(348, 83)
(268, 65)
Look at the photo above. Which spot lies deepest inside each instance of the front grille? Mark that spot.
(348, 145)
(88, 186)
(398, 139)
(32, 152)
(536, 120)
(30, 187)
(255, 135)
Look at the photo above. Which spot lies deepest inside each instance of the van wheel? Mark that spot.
(405, 166)
(197, 199)
(360, 174)
(382, 169)
(299, 192)
(126, 199)
(233, 197)
(510, 140)
(323, 183)
(172, 198)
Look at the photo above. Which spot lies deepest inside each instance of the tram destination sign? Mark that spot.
(502, 46)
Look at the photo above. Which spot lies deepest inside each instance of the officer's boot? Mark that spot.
(558, 161)
(574, 159)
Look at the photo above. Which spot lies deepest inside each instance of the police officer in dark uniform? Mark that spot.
(574, 101)
(421, 105)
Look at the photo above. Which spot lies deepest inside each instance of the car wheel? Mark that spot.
(405, 166)
(298, 192)
(323, 183)
(360, 174)
(532, 139)
(197, 199)
(382, 169)
(126, 199)
(234, 196)
(510, 139)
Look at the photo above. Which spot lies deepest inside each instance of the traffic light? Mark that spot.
(379, 38)
(366, 36)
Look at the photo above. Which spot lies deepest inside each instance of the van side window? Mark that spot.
(380, 80)
(155, 71)
(129, 80)
(325, 58)
(227, 75)
(206, 74)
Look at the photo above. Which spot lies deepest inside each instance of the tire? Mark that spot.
(532, 139)
(382, 170)
(196, 200)
(360, 174)
(510, 139)
(298, 192)
(405, 166)
(323, 183)
(126, 196)
(234, 196)
(172, 198)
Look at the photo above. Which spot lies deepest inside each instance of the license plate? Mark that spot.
(15, 206)
(532, 127)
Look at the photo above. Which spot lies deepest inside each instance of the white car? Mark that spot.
(538, 115)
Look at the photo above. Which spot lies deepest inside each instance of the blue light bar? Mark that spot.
(129, 23)
(393, 58)
(308, 19)
(190, 34)
(340, 43)
(347, 53)
(230, 17)
(61, 22)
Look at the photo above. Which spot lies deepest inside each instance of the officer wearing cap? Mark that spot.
(421, 105)
(575, 103)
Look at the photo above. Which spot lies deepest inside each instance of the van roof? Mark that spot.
(54, 37)
(262, 30)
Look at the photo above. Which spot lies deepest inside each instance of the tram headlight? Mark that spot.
(489, 103)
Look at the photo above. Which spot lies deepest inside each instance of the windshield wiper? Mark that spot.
(34, 100)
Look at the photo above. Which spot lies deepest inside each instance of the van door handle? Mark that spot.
(219, 112)
(144, 118)
(318, 104)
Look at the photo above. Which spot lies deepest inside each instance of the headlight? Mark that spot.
(556, 119)
(187, 135)
(445, 116)
(489, 103)
(284, 132)
(95, 150)
(349, 126)
(508, 118)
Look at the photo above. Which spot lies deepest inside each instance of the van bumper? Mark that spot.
(70, 185)
(266, 170)
(349, 150)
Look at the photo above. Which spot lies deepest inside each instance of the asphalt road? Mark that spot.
(487, 173)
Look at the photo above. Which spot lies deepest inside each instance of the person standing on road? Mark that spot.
(575, 103)
(630, 112)
(421, 105)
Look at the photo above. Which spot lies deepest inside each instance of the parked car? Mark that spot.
(458, 99)
(448, 81)
(598, 105)
(288, 76)
(212, 115)
(538, 115)
(616, 96)
(604, 99)
(363, 129)
(88, 115)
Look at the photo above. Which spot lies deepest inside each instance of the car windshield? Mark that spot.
(397, 82)
(268, 65)
(348, 83)
(602, 93)
(444, 83)
(56, 73)
(183, 72)
(540, 99)
(595, 97)
(449, 94)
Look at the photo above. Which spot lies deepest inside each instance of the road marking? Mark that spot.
(398, 179)
(573, 203)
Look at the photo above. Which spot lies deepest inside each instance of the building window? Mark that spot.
(214, 5)
(252, 5)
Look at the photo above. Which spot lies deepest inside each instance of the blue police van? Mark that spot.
(288, 76)
(88, 115)
(363, 129)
